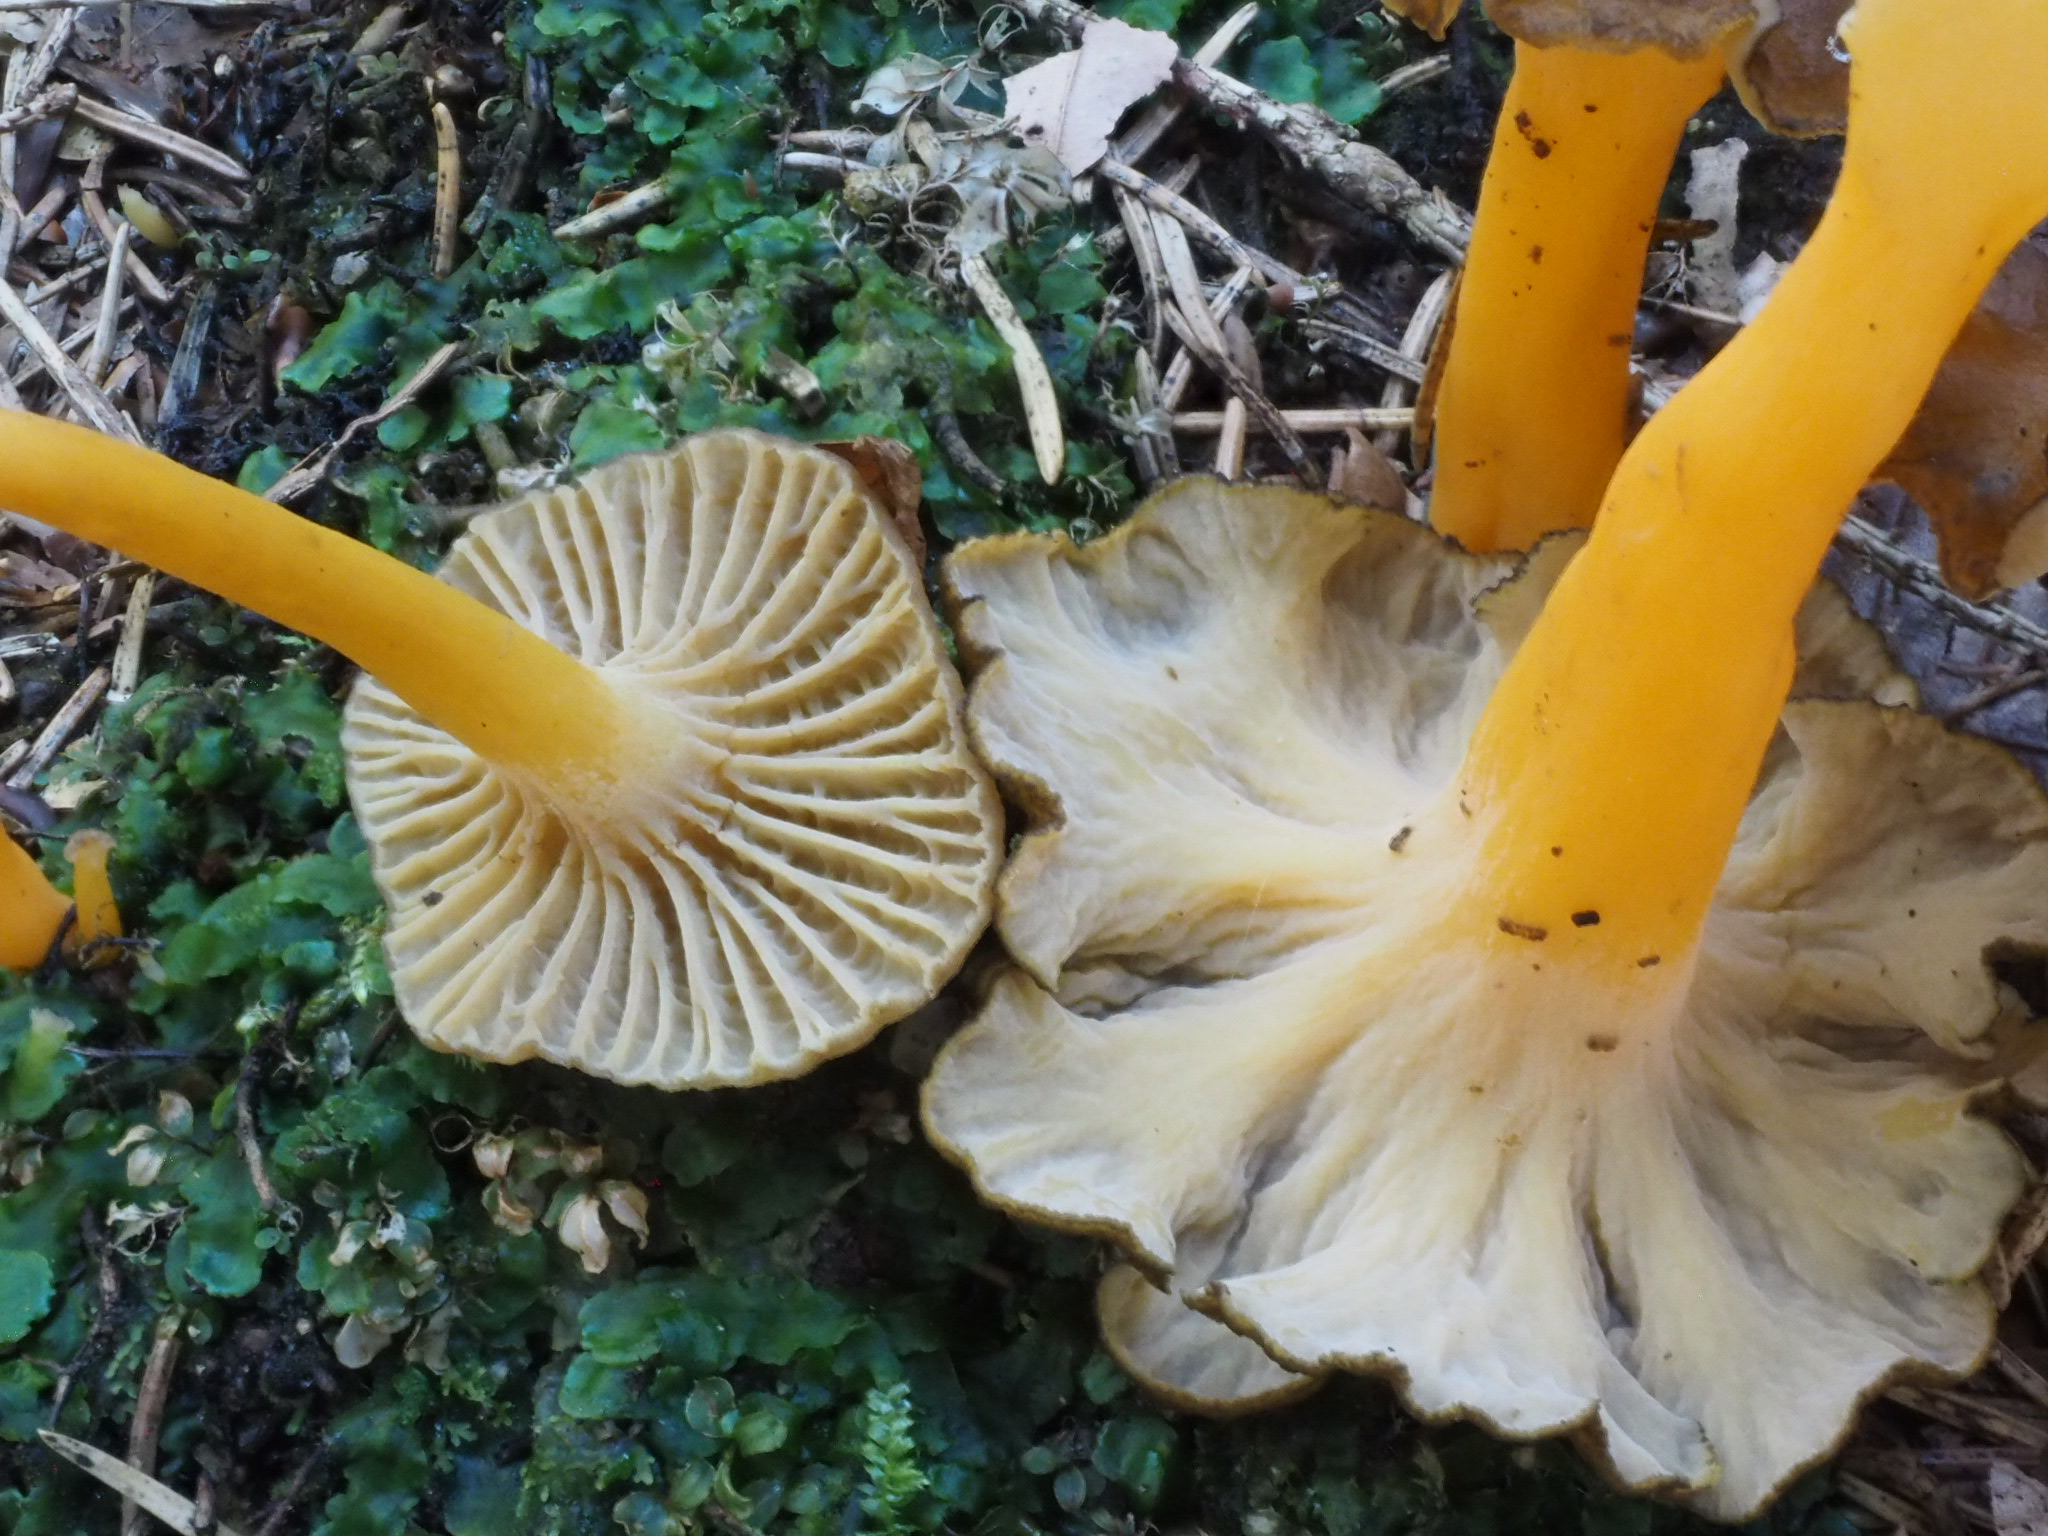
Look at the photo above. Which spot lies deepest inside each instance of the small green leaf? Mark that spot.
(26, 1287)
(351, 341)
(1283, 69)
(605, 431)
(1137, 1453)
(41, 1068)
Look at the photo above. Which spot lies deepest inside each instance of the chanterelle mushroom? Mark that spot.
(1534, 1008)
(664, 780)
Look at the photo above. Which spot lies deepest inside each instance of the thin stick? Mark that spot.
(1235, 380)
(140, 130)
(102, 349)
(447, 188)
(1860, 540)
(1181, 371)
(311, 470)
(1322, 146)
(1321, 420)
(1137, 224)
(176, 1511)
(1370, 348)
(146, 281)
(77, 277)
(1198, 223)
(51, 101)
(1153, 448)
(1419, 337)
(127, 668)
(1177, 260)
(50, 741)
(1992, 693)
(245, 1127)
(84, 395)
(1034, 379)
(627, 208)
(1409, 76)
(150, 1396)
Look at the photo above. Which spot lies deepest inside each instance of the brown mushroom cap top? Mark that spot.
(817, 869)
(1791, 74)
(1684, 28)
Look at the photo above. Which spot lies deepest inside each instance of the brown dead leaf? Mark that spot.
(1790, 75)
(1976, 457)
(1361, 473)
(1070, 103)
(889, 470)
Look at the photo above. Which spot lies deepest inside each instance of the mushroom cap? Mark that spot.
(1792, 76)
(823, 873)
(1693, 1223)
(1683, 28)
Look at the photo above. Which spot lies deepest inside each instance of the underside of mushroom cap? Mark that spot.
(828, 861)
(1693, 1224)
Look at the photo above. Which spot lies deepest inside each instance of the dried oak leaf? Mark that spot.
(1976, 457)
(1070, 103)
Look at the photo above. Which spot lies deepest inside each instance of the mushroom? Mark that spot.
(32, 911)
(34, 914)
(663, 777)
(1601, 95)
(1500, 987)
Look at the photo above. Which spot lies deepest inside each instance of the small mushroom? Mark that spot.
(663, 779)
(1497, 985)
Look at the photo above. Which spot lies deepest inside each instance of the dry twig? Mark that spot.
(1318, 143)
(1034, 379)
(146, 1426)
(447, 188)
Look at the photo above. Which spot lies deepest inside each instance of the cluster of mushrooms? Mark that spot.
(1554, 976)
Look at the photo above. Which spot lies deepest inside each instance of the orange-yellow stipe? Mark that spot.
(501, 690)
(99, 917)
(32, 911)
(1533, 411)
(1612, 765)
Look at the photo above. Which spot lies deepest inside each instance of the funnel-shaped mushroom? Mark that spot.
(32, 911)
(675, 793)
(1533, 1008)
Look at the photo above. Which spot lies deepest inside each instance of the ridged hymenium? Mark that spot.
(1690, 1211)
(801, 847)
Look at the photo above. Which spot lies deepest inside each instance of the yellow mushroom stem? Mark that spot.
(92, 892)
(32, 911)
(1533, 410)
(503, 691)
(1609, 772)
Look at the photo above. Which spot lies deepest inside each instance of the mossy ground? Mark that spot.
(439, 1315)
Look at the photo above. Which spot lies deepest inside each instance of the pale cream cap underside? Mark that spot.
(1236, 1044)
(752, 590)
